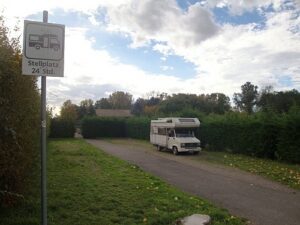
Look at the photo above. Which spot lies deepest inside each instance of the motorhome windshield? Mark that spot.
(184, 133)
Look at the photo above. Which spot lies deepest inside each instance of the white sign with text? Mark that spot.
(43, 49)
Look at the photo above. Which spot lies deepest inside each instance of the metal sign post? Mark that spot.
(43, 142)
(43, 55)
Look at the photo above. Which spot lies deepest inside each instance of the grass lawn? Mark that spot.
(88, 187)
(284, 173)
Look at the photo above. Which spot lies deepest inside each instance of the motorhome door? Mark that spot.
(171, 138)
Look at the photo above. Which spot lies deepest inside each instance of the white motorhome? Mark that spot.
(176, 134)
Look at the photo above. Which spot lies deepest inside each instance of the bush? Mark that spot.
(138, 127)
(62, 128)
(289, 138)
(235, 133)
(93, 127)
(265, 135)
(19, 121)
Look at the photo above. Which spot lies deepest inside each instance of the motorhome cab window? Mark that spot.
(184, 133)
(53, 41)
(171, 133)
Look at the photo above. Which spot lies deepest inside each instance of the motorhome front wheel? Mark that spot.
(175, 150)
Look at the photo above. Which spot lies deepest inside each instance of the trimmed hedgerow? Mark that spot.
(265, 135)
(93, 127)
(247, 137)
(288, 147)
(62, 128)
(138, 127)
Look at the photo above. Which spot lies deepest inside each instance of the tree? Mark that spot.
(151, 110)
(138, 107)
(222, 103)
(19, 119)
(68, 111)
(120, 100)
(246, 100)
(217, 103)
(280, 102)
(86, 108)
(153, 101)
(206, 103)
(103, 103)
(178, 102)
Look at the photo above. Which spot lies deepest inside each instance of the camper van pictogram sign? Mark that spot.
(43, 41)
(43, 49)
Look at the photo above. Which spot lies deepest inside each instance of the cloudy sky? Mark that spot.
(171, 46)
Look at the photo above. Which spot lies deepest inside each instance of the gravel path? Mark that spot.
(261, 201)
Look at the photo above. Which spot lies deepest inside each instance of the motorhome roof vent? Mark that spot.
(186, 120)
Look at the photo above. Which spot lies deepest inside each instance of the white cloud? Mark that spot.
(15, 10)
(242, 53)
(91, 73)
(165, 68)
(163, 48)
(163, 58)
(225, 57)
(162, 21)
(237, 7)
(25, 8)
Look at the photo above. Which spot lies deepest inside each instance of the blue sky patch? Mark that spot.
(69, 19)
(286, 81)
(222, 15)
(146, 58)
(185, 4)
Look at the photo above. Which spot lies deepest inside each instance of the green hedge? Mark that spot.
(288, 148)
(262, 135)
(138, 127)
(93, 127)
(61, 128)
(251, 138)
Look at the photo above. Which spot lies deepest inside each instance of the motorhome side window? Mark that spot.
(33, 38)
(162, 131)
(154, 130)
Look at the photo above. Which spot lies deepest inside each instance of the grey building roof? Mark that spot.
(113, 112)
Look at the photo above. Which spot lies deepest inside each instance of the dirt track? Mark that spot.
(261, 201)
